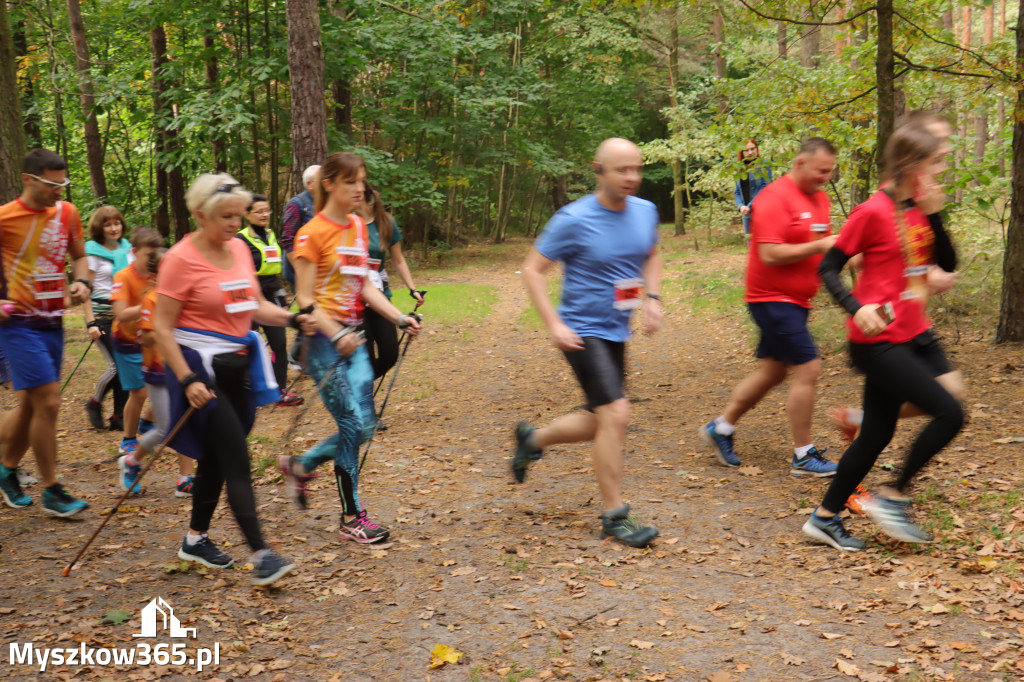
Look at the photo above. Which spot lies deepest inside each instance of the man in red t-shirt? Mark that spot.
(790, 233)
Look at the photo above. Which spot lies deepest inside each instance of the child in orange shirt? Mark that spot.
(130, 284)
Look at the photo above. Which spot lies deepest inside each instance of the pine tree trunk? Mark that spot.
(678, 215)
(1011, 309)
(810, 39)
(93, 142)
(12, 137)
(220, 148)
(163, 114)
(32, 121)
(885, 68)
(306, 68)
(783, 40)
(721, 68)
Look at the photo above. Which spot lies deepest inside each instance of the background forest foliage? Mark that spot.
(478, 118)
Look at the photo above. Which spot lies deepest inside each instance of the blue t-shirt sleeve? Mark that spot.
(396, 234)
(557, 242)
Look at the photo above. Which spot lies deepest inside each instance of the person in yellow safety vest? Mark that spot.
(266, 258)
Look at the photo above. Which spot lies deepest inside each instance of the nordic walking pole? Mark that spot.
(91, 341)
(152, 458)
(423, 294)
(385, 403)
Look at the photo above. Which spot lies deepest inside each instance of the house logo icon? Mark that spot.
(156, 609)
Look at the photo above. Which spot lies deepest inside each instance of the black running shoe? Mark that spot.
(95, 412)
(832, 532)
(270, 568)
(617, 523)
(116, 422)
(206, 553)
(524, 453)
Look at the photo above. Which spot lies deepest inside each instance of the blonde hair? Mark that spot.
(210, 190)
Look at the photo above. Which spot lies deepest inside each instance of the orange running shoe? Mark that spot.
(856, 501)
(843, 421)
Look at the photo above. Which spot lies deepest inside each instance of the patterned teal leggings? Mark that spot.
(348, 396)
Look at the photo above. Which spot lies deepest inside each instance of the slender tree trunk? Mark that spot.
(1011, 309)
(32, 121)
(782, 39)
(220, 147)
(810, 39)
(859, 158)
(254, 127)
(93, 143)
(721, 68)
(981, 114)
(885, 69)
(1001, 107)
(341, 91)
(12, 137)
(678, 216)
(306, 67)
(163, 115)
(271, 96)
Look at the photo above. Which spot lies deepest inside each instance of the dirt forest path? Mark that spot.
(516, 577)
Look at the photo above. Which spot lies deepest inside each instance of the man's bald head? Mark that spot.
(615, 148)
(618, 165)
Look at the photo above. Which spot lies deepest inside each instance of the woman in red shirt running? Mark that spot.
(207, 299)
(890, 336)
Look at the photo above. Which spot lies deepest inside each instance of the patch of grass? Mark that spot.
(529, 318)
(516, 675)
(515, 564)
(453, 304)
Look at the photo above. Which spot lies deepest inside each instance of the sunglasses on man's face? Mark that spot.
(51, 183)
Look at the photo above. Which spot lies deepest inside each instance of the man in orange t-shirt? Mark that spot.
(790, 234)
(37, 233)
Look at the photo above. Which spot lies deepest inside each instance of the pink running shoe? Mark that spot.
(362, 529)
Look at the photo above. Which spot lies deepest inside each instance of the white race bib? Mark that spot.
(352, 260)
(271, 254)
(627, 294)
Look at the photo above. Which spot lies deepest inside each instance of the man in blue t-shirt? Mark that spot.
(608, 244)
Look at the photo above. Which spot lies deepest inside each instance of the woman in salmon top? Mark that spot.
(207, 299)
(332, 273)
(890, 334)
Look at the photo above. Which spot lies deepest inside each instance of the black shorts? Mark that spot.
(601, 370)
(784, 333)
(924, 346)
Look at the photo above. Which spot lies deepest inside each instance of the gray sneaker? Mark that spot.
(891, 517)
(617, 523)
(832, 532)
(524, 454)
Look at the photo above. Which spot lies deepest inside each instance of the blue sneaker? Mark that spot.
(10, 488)
(813, 464)
(145, 426)
(722, 445)
(271, 567)
(129, 475)
(58, 502)
(128, 446)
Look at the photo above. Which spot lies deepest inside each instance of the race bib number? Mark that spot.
(271, 254)
(916, 271)
(352, 261)
(50, 292)
(819, 228)
(238, 296)
(627, 294)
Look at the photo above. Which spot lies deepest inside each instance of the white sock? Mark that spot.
(723, 427)
(801, 452)
(194, 539)
(855, 416)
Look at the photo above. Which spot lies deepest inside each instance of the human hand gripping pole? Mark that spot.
(152, 458)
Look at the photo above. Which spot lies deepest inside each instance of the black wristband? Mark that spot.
(93, 323)
(85, 282)
(307, 310)
(656, 297)
(293, 321)
(189, 380)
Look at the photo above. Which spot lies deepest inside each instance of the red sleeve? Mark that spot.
(119, 289)
(851, 237)
(765, 225)
(173, 280)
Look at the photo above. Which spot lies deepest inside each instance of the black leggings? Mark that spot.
(225, 459)
(896, 374)
(277, 341)
(109, 381)
(381, 342)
